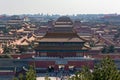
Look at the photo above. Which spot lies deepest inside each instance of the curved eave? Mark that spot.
(61, 50)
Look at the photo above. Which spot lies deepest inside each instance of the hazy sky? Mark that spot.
(59, 6)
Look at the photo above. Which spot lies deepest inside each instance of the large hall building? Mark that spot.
(62, 47)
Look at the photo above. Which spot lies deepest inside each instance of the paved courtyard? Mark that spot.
(51, 78)
(54, 75)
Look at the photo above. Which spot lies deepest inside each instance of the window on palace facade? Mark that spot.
(43, 54)
(79, 54)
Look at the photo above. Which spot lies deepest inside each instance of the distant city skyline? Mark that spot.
(63, 7)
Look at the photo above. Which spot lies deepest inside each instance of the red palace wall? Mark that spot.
(44, 64)
(113, 56)
(7, 73)
(22, 56)
(77, 64)
(61, 54)
(69, 54)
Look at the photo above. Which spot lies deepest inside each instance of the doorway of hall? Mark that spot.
(50, 68)
(72, 69)
(61, 67)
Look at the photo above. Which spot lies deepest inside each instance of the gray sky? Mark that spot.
(59, 6)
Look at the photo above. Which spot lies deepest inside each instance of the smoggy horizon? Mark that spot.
(62, 7)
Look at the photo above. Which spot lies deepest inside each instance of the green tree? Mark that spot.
(7, 49)
(85, 74)
(23, 48)
(5, 31)
(92, 43)
(47, 78)
(31, 74)
(15, 78)
(6, 56)
(111, 49)
(21, 77)
(104, 50)
(106, 70)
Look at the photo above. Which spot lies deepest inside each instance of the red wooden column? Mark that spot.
(56, 67)
(66, 67)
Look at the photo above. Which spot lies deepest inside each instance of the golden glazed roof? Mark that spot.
(61, 37)
(64, 20)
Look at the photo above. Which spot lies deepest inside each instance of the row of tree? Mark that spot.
(30, 75)
(108, 49)
(106, 70)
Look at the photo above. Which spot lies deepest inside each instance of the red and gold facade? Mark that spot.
(62, 47)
